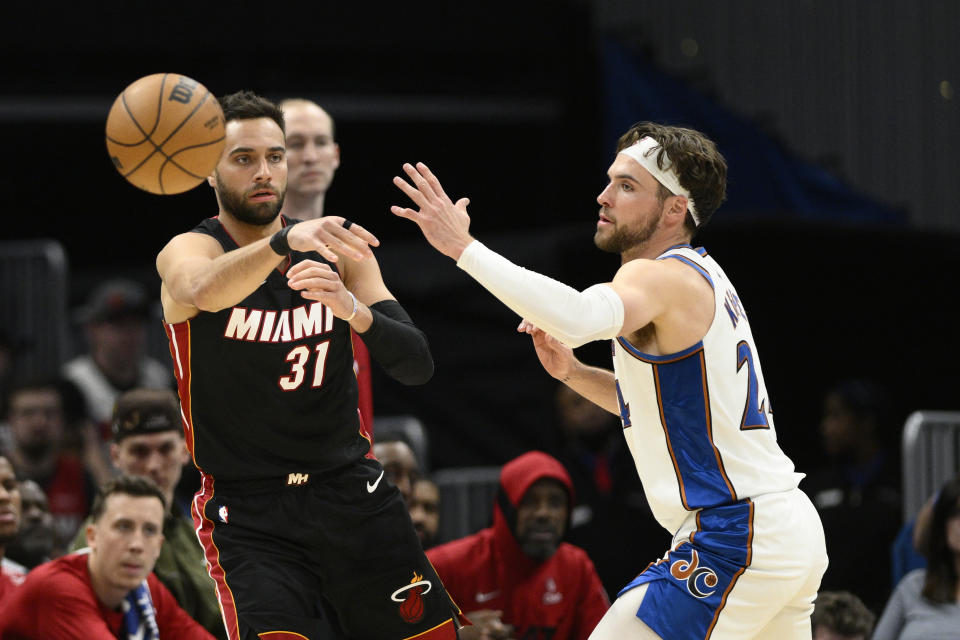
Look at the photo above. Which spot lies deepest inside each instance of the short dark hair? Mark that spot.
(137, 486)
(700, 167)
(246, 105)
(843, 613)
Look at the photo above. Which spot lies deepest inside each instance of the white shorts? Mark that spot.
(745, 570)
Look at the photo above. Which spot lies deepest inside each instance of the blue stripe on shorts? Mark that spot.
(689, 588)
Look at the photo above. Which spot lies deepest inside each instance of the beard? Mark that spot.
(538, 549)
(621, 239)
(259, 214)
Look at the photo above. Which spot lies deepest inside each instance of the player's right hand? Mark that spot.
(445, 224)
(327, 236)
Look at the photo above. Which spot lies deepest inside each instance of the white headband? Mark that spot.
(643, 152)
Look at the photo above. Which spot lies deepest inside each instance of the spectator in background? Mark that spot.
(906, 553)
(11, 573)
(36, 542)
(610, 505)
(422, 497)
(148, 441)
(400, 465)
(858, 482)
(424, 508)
(313, 157)
(111, 591)
(82, 437)
(926, 603)
(37, 430)
(517, 576)
(115, 318)
(840, 615)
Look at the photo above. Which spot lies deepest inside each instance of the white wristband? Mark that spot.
(572, 317)
(355, 306)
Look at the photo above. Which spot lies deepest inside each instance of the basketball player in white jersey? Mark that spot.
(748, 549)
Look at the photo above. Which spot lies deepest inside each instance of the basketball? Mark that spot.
(165, 133)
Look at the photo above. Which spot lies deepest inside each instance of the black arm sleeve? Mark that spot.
(397, 344)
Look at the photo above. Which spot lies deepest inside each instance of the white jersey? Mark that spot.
(698, 422)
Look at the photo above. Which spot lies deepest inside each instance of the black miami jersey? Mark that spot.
(267, 386)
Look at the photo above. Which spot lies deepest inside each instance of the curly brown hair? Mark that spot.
(701, 168)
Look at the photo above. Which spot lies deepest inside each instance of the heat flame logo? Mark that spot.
(410, 597)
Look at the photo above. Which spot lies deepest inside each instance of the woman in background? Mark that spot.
(926, 603)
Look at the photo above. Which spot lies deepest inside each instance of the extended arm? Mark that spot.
(199, 276)
(637, 296)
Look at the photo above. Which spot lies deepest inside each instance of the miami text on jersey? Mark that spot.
(287, 325)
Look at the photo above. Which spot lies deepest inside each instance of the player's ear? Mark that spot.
(336, 156)
(212, 180)
(678, 208)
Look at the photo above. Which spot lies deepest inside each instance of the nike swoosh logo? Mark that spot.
(373, 487)
(485, 597)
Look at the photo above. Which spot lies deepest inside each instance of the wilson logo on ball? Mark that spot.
(183, 91)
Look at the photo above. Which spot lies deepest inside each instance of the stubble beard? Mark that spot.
(259, 214)
(622, 239)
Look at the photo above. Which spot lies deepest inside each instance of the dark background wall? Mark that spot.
(505, 100)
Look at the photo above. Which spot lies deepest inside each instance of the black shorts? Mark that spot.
(320, 556)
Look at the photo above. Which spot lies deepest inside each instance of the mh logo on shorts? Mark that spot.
(695, 576)
(411, 602)
(296, 479)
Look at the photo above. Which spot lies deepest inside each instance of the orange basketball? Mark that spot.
(165, 133)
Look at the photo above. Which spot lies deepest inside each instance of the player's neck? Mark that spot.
(654, 246)
(303, 206)
(244, 233)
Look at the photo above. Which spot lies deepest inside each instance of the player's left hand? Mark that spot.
(557, 358)
(317, 281)
(445, 225)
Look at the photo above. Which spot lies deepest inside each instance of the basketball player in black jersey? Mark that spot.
(303, 537)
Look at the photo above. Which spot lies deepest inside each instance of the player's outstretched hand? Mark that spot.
(317, 281)
(556, 357)
(329, 237)
(444, 224)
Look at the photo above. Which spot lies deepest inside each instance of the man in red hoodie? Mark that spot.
(517, 575)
